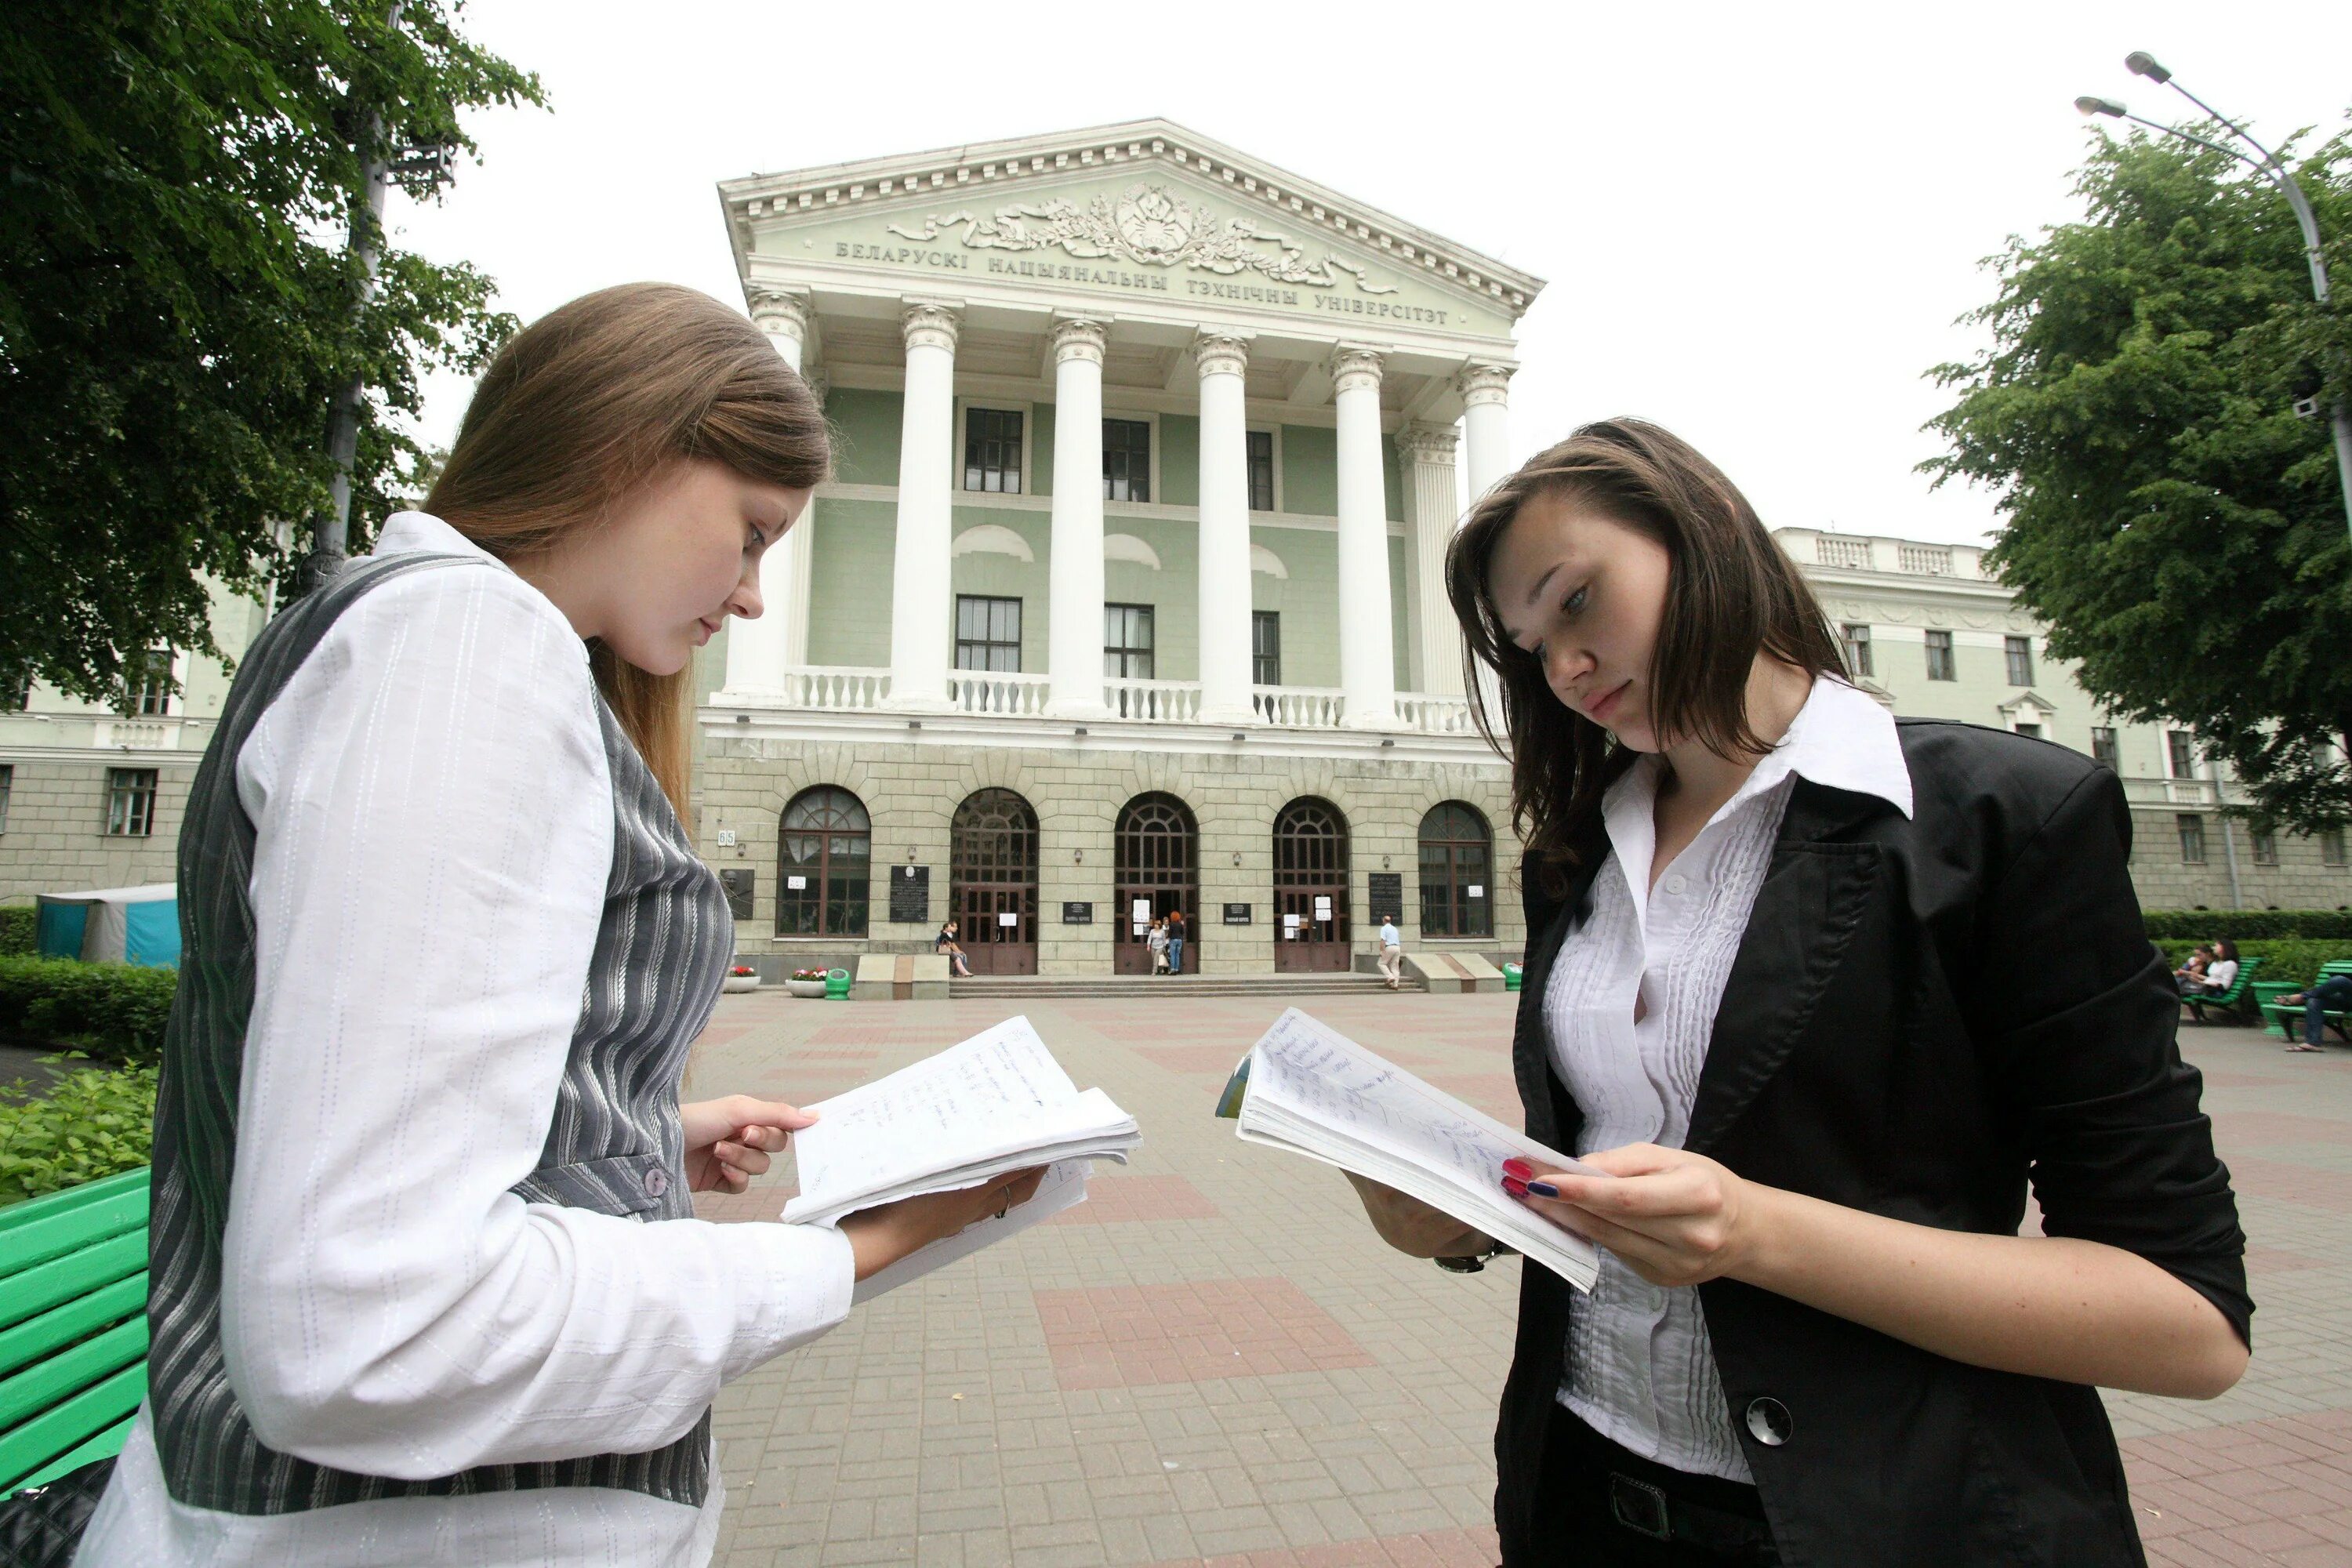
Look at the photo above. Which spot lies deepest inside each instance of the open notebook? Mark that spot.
(1309, 1090)
(997, 1102)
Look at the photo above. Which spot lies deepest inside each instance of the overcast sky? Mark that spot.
(1758, 223)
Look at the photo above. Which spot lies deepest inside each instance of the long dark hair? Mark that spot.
(1731, 592)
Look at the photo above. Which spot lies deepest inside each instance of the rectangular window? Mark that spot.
(2265, 847)
(1940, 657)
(2103, 748)
(2192, 838)
(149, 680)
(1127, 459)
(1856, 638)
(2020, 660)
(988, 633)
(2033, 729)
(991, 450)
(7, 786)
(2331, 846)
(2180, 750)
(1261, 471)
(129, 803)
(1265, 647)
(1126, 641)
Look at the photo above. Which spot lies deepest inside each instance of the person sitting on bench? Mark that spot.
(2332, 995)
(2219, 974)
(946, 942)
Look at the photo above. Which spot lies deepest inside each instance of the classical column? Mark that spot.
(1367, 643)
(757, 651)
(1224, 564)
(920, 604)
(1429, 518)
(1485, 421)
(1073, 620)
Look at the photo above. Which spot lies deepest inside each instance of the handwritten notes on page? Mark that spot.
(1311, 1091)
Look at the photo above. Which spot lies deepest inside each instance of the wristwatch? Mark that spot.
(1475, 1261)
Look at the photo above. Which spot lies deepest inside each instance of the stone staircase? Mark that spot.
(1144, 988)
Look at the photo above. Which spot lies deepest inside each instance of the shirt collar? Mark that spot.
(406, 533)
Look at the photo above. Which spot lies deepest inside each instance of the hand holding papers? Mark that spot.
(997, 1103)
(1307, 1088)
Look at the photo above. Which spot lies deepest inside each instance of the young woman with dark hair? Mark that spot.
(425, 1285)
(1770, 993)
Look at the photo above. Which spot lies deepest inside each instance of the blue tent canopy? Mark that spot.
(111, 925)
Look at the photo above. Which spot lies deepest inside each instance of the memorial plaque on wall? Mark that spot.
(1388, 896)
(738, 883)
(1237, 914)
(1078, 914)
(910, 895)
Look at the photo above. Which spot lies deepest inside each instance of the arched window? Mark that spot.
(1156, 846)
(1457, 859)
(993, 881)
(825, 855)
(1311, 886)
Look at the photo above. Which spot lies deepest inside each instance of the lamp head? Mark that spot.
(2093, 106)
(2139, 62)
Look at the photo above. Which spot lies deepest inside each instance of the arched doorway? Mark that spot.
(992, 882)
(1311, 886)
(1457, 855)
(1157, 846)
(825, 855)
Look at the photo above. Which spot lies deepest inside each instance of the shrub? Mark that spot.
(113, 1010)
(96, 1122)
(17, 929)
(2243, 925)
(2294, 961)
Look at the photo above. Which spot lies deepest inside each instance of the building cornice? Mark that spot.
(1006, 165)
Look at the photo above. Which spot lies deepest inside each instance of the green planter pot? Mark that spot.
(2265, 991)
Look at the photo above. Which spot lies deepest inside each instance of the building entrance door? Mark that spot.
(1310, 888)
(1157, 846)
(992, 882)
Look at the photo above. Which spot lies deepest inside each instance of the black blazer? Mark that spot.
(1922, 1014)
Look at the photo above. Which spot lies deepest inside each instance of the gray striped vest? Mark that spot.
(615, 1145)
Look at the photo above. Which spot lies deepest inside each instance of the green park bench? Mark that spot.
(73, 1328)
(2226, 1003)
(2289, 1019)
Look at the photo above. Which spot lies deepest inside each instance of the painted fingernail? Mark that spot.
(1520, 1168)
(1516, 1187)
(1543, 1190)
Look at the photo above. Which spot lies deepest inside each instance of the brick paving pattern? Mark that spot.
(1214, 1361)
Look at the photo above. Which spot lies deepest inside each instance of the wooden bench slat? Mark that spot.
(49, 1382)
(76, 1321)
(27, 1450)
(42, 1208)
(36, 1290)
(105, 1445)
(54, 1235)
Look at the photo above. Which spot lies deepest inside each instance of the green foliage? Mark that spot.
(113, 1011)
(2178, 527)
(177, 301)
(2241, 925)
(2294, 962)
(19, 924)
(94, 1122)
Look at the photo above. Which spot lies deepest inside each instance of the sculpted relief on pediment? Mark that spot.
(1146, 224)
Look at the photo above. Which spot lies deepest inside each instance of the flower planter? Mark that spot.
(811, 988)
(740, 983)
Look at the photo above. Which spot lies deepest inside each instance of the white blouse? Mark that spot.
(434, 828)
(1630, 1010)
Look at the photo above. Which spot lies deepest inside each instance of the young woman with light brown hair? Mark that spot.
(1771, 993)
(426, 1281)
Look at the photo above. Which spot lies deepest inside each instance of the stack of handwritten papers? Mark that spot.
(1309, 1090)
(997, 1102)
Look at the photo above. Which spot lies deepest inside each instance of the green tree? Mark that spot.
(177, 301)
(2169, 516)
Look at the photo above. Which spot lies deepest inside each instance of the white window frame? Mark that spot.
(1140, 416)
(1028, 411)
(1273, 432)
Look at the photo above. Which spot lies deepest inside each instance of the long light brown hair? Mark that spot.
(1731, 592)
(596, 398)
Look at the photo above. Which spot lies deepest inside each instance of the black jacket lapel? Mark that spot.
(1812, 899)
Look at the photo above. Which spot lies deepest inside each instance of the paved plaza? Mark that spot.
(1216, 1359)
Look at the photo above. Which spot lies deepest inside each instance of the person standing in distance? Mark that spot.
(425, 1282)
(1391, 952)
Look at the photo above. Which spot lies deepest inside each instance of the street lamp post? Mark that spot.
(2141, 63)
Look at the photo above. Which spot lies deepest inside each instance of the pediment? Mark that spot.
(1148, 206)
